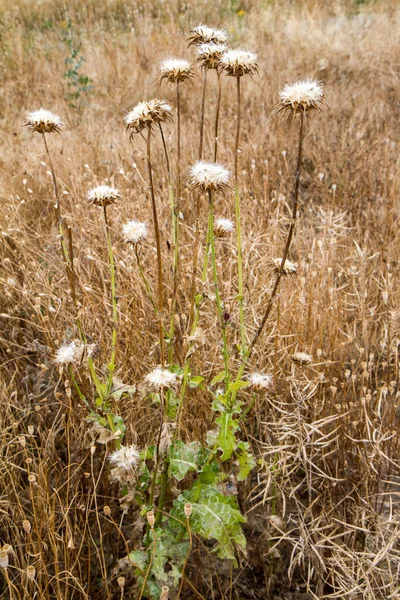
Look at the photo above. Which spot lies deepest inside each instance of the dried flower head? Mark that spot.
(176, 70)
(289, 268)
(159, 378)
(147, 114)
(237, 63)
(202, 34)
(68, 353)
(222, 228)
(209, 176)
(301, 96)
(151, 519)
(302, 358)
(126, 458)
(188, 509)
(103, 195)
(30, 572)
(261, 381)
(43, 121)
(134, 232)
(209, 55)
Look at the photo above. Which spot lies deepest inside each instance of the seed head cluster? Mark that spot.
(43, 121)
(261, 381)
(202, 34)
(237, 63)
(161, 378)
(134, 232)
(103, 195)
(176, 70)
(302, 358)
(146, 115)
(222, 228)
(126, 458)
(289, 268)
(68, 353)
(209, 55)
(207, 176)
(301, 96)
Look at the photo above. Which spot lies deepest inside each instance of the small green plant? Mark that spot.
(80, 85)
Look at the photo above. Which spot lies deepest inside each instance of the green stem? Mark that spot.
(220, 310)
(145, 281)
(238, 225)
(111, 365)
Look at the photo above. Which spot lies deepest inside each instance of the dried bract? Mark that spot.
(207, 176)
(146, 115)
(176, 70)
(301, 96)
(236, 63)
(202, 34)
(103, 195)
(43, 121)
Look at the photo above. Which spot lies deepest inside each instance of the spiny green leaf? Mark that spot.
(246, 460)
(218, 378)
(183, 458)
(226, 437)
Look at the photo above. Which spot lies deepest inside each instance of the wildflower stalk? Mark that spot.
(284, 257)
(158, 245)
(111, 365)
(238, 224)
(288, 239)
(217, 110)
(175, 224)
(202, 112)
(225, 353)
(145, 280)
(153, 553)
(186, 557)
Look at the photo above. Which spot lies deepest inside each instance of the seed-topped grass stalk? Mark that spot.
(176, 71)
(104, 196)
(297, 99)
(44, 122)
(236, 63)
(144, 117)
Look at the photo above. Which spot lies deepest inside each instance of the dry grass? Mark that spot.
(327, 437)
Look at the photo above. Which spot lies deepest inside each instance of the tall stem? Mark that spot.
(216, 288)
(175, 224)
(111, 366)
(202, 112)
(288, 239)
(216, 126)
(158, 245)
(198, 207)
(238, 225)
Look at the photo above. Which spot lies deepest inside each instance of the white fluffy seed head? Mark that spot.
(126, 458)
(202, 34)
(147, 114)
(160, 378)
(223, 227)
(103, 195)
(209, 176)
(209, 55)
(302, 358)
(237, 63)
(302, 96)
(175, 70)
(134, 231)
(289, 268)
(43, 121)
(68, 353)
(261, 381)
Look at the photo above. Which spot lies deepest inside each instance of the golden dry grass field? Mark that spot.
(286, 486)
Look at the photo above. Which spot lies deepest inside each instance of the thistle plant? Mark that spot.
(237, 63)
(143, 118)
